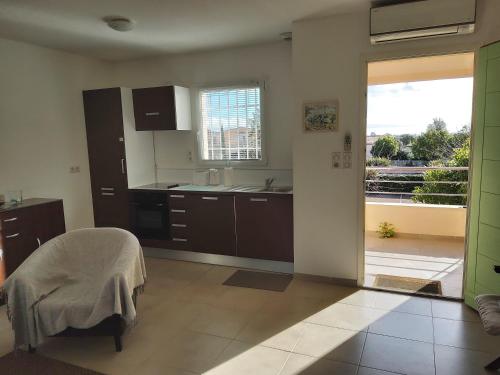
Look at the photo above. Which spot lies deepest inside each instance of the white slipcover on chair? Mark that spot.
(75, 280)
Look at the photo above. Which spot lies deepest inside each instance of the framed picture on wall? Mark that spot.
(321, 116)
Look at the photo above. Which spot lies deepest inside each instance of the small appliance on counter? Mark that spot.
(214, 176)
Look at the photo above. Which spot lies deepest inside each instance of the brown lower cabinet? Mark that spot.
(24, 227)
(213, 224)
(258, 226)
(264, 226)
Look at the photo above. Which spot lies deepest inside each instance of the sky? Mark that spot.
(407, 108)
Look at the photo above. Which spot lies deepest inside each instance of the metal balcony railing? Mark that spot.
(379, 185)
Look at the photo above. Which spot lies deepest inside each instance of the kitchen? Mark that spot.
(182, 206)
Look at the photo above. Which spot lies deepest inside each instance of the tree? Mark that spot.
(385, 147)
(406, 139)
(460, 158)
(461, 137)
(434, 144)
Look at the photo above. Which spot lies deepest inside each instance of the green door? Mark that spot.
(483, 252)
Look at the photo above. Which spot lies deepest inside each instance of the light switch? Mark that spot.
(336, 160)
(74, 169)
(347, 160)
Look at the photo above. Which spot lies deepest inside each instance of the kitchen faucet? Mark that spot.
(269, 182)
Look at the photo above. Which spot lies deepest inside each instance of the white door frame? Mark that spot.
(394, 55)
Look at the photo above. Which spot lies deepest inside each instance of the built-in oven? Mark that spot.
(149, 215)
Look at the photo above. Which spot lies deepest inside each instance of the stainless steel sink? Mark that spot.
(277, 189)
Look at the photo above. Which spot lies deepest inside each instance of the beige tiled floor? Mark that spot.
(425, 257)
(189, 323)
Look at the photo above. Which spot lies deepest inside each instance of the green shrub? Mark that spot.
(385, 147)
(460, 158)
(378, 162)
(386, 230)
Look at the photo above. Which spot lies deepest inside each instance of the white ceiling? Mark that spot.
(163, 26)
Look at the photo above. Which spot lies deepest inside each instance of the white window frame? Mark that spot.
(263, 129)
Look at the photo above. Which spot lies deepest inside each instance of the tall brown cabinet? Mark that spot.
(119, 156)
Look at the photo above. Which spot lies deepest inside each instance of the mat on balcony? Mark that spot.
(21, 362)
(411, 284)
(276, 282)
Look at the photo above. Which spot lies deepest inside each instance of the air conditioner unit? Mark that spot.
(422, 19)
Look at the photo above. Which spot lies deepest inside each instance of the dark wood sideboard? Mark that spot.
(24, 227)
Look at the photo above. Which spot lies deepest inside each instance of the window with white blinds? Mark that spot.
(231, 126)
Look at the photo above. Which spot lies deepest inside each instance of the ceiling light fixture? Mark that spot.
(119, 23)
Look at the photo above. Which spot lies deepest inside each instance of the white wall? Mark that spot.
(426, 219)
(42, 128)
(329, 62)
(271, 62)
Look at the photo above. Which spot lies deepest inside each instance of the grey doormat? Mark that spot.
(277, 282)
(21, 362)
(408, 284)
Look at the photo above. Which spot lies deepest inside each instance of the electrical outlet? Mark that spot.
(347, 160)
(74, 169)
(190, 156)
(335, 160)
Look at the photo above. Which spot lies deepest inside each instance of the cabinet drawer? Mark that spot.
(179, 230)
(12, 222)
(178, 201)
(178, 215)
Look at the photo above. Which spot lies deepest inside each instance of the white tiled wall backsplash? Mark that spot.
(282, 177)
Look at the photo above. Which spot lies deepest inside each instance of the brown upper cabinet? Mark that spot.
(162, 108)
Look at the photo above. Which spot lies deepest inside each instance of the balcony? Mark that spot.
(430, 238)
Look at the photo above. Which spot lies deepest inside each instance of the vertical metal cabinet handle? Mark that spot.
(10, 219)
(210, 198)
(39, 242)
(152, 113)
(13, 235)
(258, 199)
(123, 165)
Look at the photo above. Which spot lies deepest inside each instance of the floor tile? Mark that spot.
(243, 359)
(331, 343)
(320, 290)
(372, 371)
(340, 315)
(398, 355)
(305, 365)
(272, 331)
(454, 310)
(193, 351)
(406, 326)
(467, 335)
(456, 361)
(218, 321)
(390, 301)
